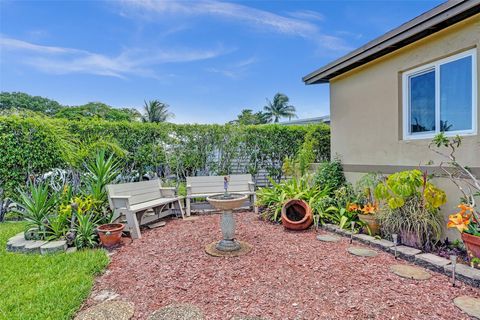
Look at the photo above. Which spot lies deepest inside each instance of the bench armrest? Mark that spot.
(168, 192)
(189, 189)
(251, 186)
(120, 202)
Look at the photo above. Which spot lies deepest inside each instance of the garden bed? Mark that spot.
(288, 275)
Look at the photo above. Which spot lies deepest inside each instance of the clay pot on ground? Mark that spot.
(110, 234)
(371, 222)
(296, 215)
(472, 243)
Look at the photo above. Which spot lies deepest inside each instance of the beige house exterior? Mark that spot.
(370, 96)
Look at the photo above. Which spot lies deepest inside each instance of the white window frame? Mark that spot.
(436, 66)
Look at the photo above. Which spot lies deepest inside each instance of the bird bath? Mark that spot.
(227, 202)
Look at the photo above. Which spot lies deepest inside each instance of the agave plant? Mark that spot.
(37, 205)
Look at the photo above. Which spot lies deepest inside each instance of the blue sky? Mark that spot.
(206, 59)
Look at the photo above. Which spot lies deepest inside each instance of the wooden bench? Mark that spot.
(135, 198)
(204, 186)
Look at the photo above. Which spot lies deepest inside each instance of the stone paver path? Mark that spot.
(469, 305)
(178, 312)
(328, 238)
(362, 252)
(108, 310)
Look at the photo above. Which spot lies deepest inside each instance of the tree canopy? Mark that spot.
(248, 117)
(19, 102)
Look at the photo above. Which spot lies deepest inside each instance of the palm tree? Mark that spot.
(279, 108)
(156, 111)
(247, 117)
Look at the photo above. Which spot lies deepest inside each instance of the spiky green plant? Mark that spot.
(37, 205)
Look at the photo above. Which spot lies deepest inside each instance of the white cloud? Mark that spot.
(298, 24)
(229, 10)
(62, 60)
(307, 15)
(235, 70)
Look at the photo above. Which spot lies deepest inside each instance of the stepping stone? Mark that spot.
(177, 312)
(328, 238)
(469, 305)
(54, 247)
(431, 261)
(33, 246)
(410, 272)
(108, 310)
(105, 295)
(362, 252)
(157, 224)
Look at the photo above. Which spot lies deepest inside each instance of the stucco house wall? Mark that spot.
(366, 110)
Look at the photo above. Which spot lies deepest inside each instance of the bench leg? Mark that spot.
(180, 207)
(132, 222)
(187, 200)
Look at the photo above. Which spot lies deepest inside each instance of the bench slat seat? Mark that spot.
(204, 186)
(133, 199)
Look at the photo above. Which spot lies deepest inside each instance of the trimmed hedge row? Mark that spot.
(32, 146)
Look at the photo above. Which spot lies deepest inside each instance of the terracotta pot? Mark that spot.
(472, 243)
(371, 222)
(110, 234)
(296, 215)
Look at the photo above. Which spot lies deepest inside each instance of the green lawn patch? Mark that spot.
(44, 287)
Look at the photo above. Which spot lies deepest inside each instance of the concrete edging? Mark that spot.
(468, 275)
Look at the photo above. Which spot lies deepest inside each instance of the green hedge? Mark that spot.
(31, 146)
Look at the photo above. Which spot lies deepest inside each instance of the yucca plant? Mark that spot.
(100, 172)
(37, 205)
(85, 230)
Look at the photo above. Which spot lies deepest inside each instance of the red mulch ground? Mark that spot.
(288, 275)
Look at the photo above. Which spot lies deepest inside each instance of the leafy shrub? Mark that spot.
(412, 208)
(330, 175)
(36, 145)
(297, 188)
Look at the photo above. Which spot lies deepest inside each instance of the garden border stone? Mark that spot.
(465, 273)
(365, 238)
(405, 252)
(54, 247)
(431, 261)
(33, 246)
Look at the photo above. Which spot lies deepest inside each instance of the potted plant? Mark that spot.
(468, 226)
(467, 220)
(367, 215)
(110, 233)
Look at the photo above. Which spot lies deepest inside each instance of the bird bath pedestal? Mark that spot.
(227, 202)
(228, 246)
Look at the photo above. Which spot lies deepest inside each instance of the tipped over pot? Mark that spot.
(296, 215)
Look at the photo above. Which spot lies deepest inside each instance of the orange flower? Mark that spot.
(353, 207)
(459, 221)
(369, 208)
(464, 208)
